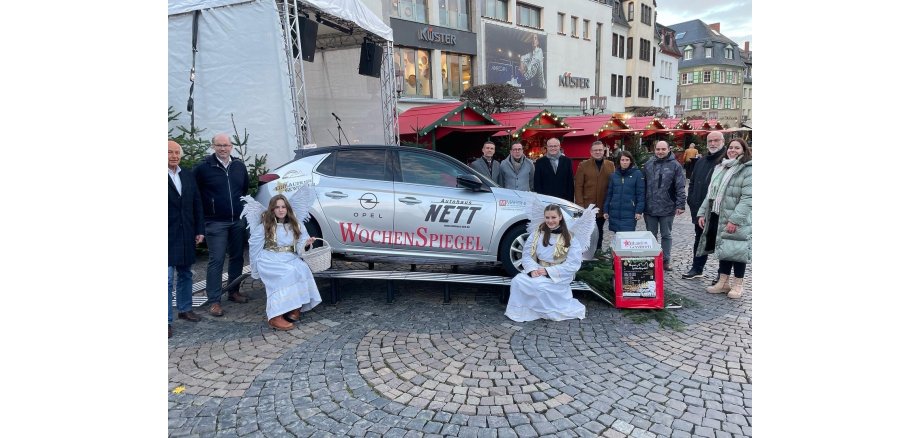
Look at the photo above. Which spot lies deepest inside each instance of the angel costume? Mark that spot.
(549, 296)
(288, 280)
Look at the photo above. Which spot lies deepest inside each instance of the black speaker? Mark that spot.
(307, 44)
(371, 57)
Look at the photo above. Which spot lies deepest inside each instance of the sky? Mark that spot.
(735, 16)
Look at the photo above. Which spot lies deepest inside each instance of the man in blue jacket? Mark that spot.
(222, 180)
(186, 230)
(664, 195)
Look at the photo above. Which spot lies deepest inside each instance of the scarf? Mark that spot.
(516, 164)
(554, 161)
(729, 169)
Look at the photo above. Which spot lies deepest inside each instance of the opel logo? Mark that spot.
(368, 201)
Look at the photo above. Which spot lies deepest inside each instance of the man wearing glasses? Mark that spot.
(222, 180)
(516, 173)
(696, 194)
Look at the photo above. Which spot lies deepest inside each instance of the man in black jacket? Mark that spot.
(222, 180)
(186, 230)
(553, 173)
(699, 186)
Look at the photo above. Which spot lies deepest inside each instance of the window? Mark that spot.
(709, 52)
(643, 87)
(632, 11)
(720, 77)
(652, 91)
(412, 10)
(654, 52)
(361, 163)
(688, 53)
(560, 24)
(574, 27)
(456, 74)
(695, 103)
(585, 30)
(696, 77)
(729, 53)
(455, 14)
(616, 85)
(705, 102)
(707, 77)
(730, 77)
(646, 14)
(497, 9)
(622, 46)
(416, 70)
(628, 86)
(645, 49)
(529, 16)
(684, 78)
(425, 169)
(716, 102)
(616, 45)
(629, 48)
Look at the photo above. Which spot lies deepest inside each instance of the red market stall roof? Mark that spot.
(592, 125)
(443, 119)
(647, 125)
(531, 123)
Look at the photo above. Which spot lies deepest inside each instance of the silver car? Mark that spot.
(409, 205)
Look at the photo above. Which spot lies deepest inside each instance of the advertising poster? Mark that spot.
(516, 57)
(638, 277)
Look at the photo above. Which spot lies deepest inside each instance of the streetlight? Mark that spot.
(597, 104)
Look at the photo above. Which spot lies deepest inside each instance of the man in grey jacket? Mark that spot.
(486, 165)
(664, 195)
(516, 172)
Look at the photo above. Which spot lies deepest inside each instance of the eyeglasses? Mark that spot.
(222, 145)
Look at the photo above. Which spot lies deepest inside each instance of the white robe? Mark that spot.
(288, 280)
(546, 297)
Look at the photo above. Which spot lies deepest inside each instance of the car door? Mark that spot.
(355, 190)
(433, 214)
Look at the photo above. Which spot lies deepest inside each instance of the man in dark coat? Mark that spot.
(222, 181)
(186, 230)
(486, 165)
(664, 195)
(696, 194)
(553, 173)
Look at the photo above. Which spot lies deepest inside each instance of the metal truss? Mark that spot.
(388, 96)
(288, 11)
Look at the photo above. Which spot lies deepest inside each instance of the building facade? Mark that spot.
(711, 73)
(747, 108)
(665, 87)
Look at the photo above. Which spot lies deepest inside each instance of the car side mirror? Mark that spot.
(472, 182)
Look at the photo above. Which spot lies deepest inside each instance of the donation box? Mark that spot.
(638, 267)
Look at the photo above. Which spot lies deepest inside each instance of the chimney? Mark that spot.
(747, 46)
(715, 27)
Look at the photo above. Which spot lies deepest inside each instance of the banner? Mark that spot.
(517, 58)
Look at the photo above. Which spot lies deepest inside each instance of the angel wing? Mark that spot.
(301, 201)
(534, 214)
(583, 226)
(252, 211)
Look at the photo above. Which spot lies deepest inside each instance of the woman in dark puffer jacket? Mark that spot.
(625, 199)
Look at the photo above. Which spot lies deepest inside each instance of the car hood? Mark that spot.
(526, 196)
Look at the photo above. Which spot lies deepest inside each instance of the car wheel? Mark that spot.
(511, 251)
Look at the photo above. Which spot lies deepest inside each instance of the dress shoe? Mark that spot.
(190, 315)
(237, 297)
(170, 330)
(215, 310)
(279, 323)
(692, 273)
(293, 316)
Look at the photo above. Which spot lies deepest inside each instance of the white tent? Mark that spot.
(242, 69)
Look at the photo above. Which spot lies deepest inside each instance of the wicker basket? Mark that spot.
(318, 259)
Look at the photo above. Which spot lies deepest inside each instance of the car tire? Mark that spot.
(511, 250)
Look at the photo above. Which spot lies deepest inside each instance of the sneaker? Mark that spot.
(692, 274)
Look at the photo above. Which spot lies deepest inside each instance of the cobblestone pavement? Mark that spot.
(422, 368)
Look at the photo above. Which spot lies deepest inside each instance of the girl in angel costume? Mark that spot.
(276, 243)
(552, 256)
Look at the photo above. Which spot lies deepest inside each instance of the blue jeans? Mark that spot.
(653, 223)
(183, 288)
(223, 238)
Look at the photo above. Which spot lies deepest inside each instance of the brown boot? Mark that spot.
(721, 286)
(279, 323)
(293, 315)
(737, 288)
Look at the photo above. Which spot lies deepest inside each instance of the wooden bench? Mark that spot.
(446, 278)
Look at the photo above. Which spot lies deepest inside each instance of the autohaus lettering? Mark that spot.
(567, 80)
(430, 35)
(442, 213)
(420, 238)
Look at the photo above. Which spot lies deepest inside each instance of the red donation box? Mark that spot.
(638, 268)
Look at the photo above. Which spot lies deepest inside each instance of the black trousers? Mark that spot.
(725, 268)
(600, 232)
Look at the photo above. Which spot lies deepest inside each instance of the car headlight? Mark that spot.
(575, 212)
